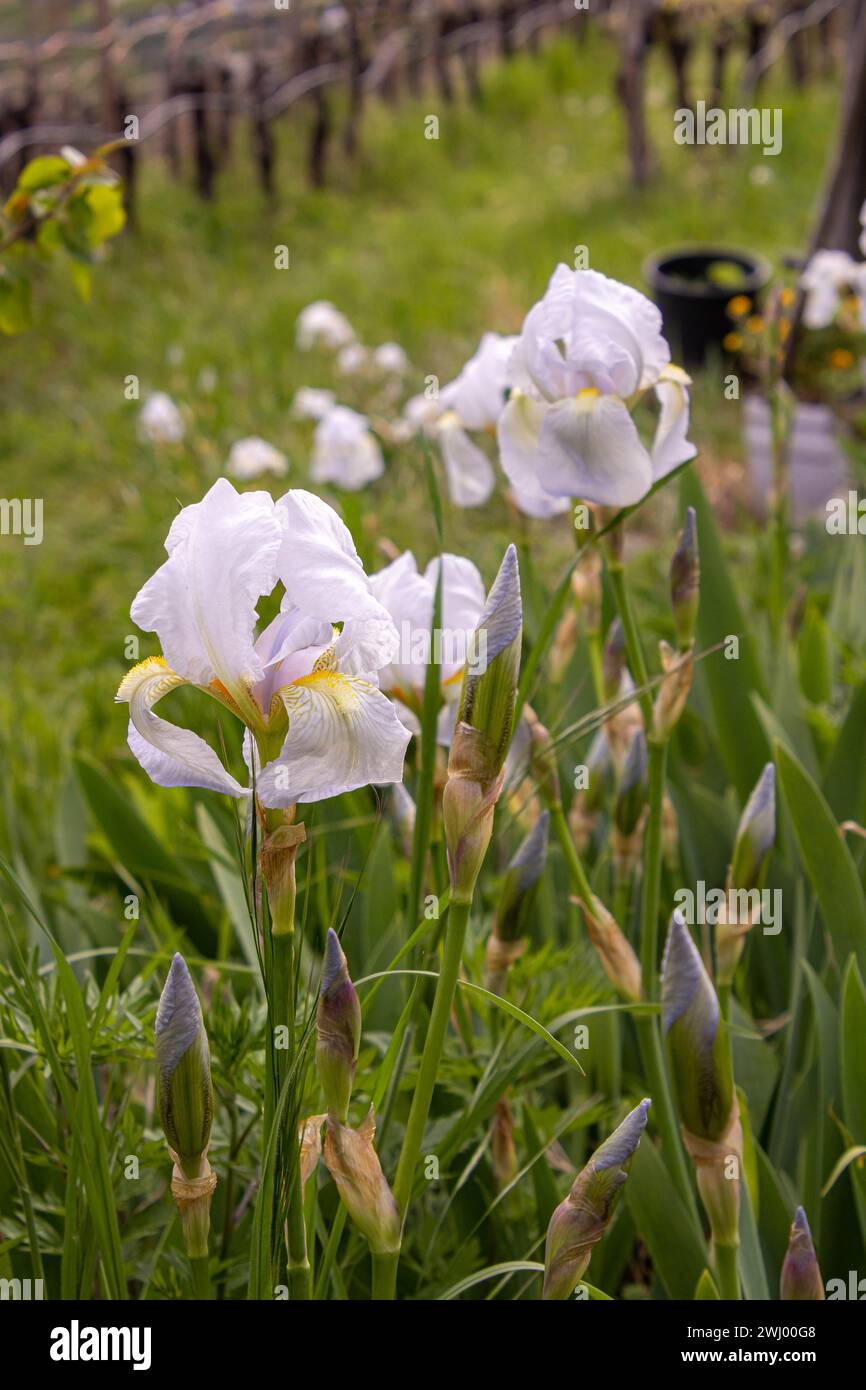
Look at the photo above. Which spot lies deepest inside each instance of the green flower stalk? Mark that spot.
(756, 834)
(338, 1030)
(485, 716)
(185, 1104)
(580, 1221)
(686, 582)
(801, 1277)
(516, 901)
(703, 1084)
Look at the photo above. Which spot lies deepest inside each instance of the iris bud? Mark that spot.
(686, 582)
(185, 1103)
(801, 1277)
(338, 1030)
(756, 832)
(485, 716)
(184, 1091)
(580, 1221)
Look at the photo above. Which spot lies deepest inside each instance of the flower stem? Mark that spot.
(455, 935)
(384, 1276)
(649, 926)
(726, 1268)
(579, 881)
(201, 1277)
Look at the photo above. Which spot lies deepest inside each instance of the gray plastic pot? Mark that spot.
(817, 468)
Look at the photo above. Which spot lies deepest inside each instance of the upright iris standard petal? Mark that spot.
(580, 1221)
(318, 563)
(696, 1037)
(222, 557)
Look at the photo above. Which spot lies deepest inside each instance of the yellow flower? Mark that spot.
(732, 342)
(755, 324)
(841, 358)
(784, 331)
(739, 305)
(786, 298)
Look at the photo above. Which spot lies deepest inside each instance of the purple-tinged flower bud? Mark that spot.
(801, 1278)
(338, 1030)
(633, 786)
(354, 1165)
(756, 832)
(703, 1081)
(686, 582)
(696, 1037)
(184, 1092)
(185, 1103)
(516, 901)
(485, 716)
(582, 1218)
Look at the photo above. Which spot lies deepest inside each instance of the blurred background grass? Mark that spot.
(428, 242)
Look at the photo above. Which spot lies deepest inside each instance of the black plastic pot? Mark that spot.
(693, 287)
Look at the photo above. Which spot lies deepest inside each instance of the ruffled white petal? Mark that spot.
(171, 757)
(343, 734)
(202, 602)
(318, 563)
(589, 448)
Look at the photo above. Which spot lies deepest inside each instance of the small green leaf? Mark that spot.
(44, 172)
